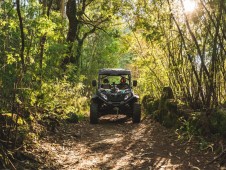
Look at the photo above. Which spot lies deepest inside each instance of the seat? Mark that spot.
(106, 84)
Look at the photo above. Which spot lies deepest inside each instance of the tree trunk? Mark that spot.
(71, 9)
(43, 38)
(21, 36)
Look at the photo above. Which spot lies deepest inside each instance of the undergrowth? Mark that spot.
(36, 112)
(189, 123)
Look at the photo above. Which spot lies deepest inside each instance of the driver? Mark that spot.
(123, 84)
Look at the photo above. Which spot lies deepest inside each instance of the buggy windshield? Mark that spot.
(108, 82)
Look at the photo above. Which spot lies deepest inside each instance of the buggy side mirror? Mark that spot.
(134, 83)
(94, 83)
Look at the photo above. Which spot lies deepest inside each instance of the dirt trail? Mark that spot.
(120, 144)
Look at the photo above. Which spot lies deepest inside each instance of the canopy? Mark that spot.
(114, 71)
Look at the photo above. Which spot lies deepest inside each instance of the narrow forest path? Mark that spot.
(120, 144)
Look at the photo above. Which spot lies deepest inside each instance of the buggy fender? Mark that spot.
(95, 98)
(136, 98)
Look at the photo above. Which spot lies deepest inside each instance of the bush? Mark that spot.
(189, 127)
(156, 115)
(62, 97)
(150, 104)
(218, 122)
(72, 118)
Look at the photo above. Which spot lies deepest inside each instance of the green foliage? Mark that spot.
(169, 48)
(158, 41)
(186, 130)
(150, 104)
(218, 122)
(62, 97)
(204, 144)
(196, 124)
(72, 117)
(156, 115)
(101, 51)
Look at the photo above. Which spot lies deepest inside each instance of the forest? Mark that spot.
(51, 50)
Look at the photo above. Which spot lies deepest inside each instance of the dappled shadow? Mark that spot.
(120, 144)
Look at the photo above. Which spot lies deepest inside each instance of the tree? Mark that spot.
(192, 48)
(83, 21)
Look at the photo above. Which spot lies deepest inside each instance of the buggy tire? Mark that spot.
(136, 116)
(93, 113)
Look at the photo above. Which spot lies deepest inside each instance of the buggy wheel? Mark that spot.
(136, 113)
(93, 113)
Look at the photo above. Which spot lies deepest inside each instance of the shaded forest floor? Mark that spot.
(118, 144)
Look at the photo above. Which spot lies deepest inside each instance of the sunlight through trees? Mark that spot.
(50, 50)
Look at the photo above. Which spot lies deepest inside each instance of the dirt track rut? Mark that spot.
(120, 144)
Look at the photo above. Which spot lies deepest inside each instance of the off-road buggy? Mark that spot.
(113, 96)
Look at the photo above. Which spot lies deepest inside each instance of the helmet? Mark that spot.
(123, 80)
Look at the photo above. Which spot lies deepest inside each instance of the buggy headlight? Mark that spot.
(127, 96)
(104, 96)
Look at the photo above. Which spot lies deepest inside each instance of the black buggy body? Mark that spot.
(114, 96)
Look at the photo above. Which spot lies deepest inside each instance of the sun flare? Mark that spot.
(189, 5)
